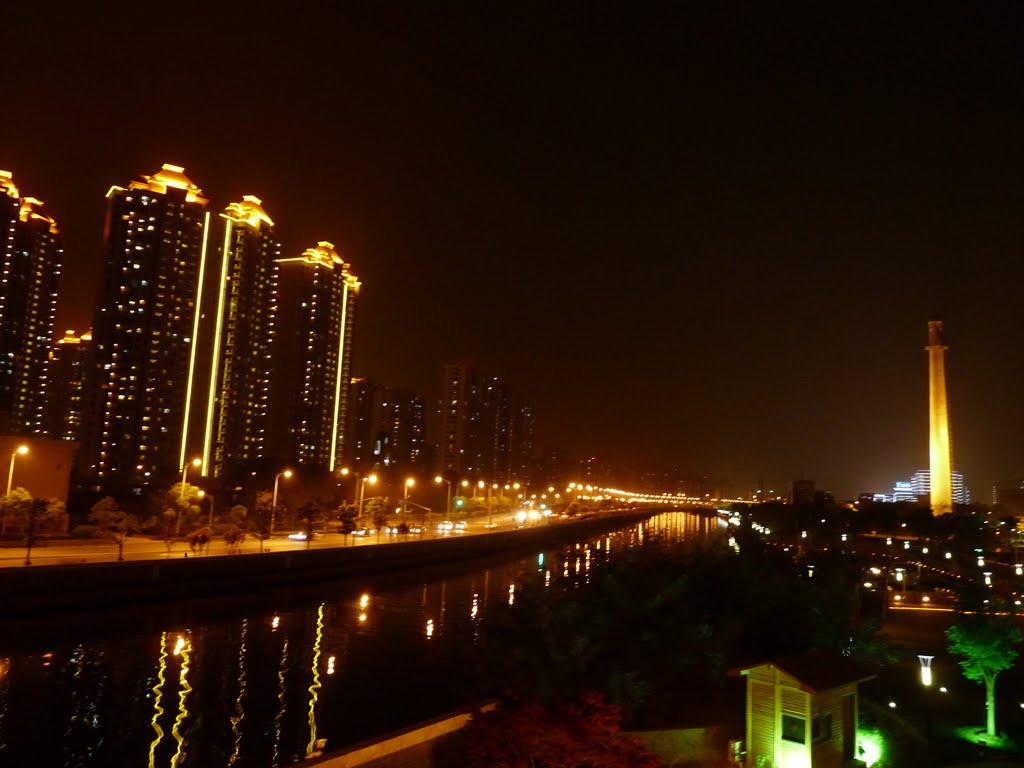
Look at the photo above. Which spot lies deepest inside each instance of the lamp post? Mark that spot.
(372, 480)
(203, 495)
(184, 473)
(409, 483)
(21, 450)
(480, 484)
(448, 505)
(926, 683)
(273, 503)
(490, 507)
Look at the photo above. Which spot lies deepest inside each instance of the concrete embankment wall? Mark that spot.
(40, 589)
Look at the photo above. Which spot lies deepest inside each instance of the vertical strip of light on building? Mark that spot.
(337, 375)
(195, 342)
(216, 349)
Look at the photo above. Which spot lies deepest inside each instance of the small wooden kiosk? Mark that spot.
(802, 711)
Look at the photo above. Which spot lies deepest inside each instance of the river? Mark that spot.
(269, 678)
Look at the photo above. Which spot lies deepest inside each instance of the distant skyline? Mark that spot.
(707, 238)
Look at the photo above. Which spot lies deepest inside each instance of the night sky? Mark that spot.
(701, 235)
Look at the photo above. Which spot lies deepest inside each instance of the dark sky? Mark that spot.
(706, 235)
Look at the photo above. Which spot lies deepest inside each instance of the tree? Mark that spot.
(260, 521)
(33, 516)
(986, 639)
(114, 523)
(233, 538)
(347, 518)
(14, 507)
(376, 512)
(309, 513)
(570, 735)
(180, 503)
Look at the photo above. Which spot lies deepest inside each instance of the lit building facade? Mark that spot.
(388, 427)
(146, 322)
(484, 433)
(921, 485)
(66, 374)
(30, 262)
(236, 426)
(318, 289)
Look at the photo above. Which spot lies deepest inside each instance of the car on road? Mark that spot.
(364, 531)
(302, 536)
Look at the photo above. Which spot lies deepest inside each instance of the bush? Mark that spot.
(85, 532)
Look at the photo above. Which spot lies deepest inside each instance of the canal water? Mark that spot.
(268, 679)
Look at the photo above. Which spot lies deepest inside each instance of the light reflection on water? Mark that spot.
(271, 679)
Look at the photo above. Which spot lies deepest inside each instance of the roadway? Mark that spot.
(146, 548)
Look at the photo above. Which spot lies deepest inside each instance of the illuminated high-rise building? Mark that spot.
(236, 428)
(478, 425)
(146, 322)
(30, 261)
(318, 290)
(388, 427)
(66, 374)
(939, 443)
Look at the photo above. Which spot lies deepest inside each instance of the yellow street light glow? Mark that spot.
(372, 479)
(410, 482)
(481, 484)
(438, 479)
(344, 471)
(287, 473)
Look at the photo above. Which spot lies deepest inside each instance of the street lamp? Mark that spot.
(21, 450)
(371, 479)
(203, 494)
(273, 503)
(409, 483)
(184, 473)
(448, 506)
(926, 681)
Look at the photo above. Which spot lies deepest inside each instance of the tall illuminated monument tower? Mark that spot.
(940, 452)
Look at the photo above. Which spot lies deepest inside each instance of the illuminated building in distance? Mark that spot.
(235, 429)
(30, 261)
(66, 374)
(148, 314)
(388, 427)
(315, 366)
(939, 448)
(485, 432)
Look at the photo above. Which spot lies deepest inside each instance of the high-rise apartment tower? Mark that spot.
(236, 428)
(146, 322)
(317, 289)
(30, 260)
